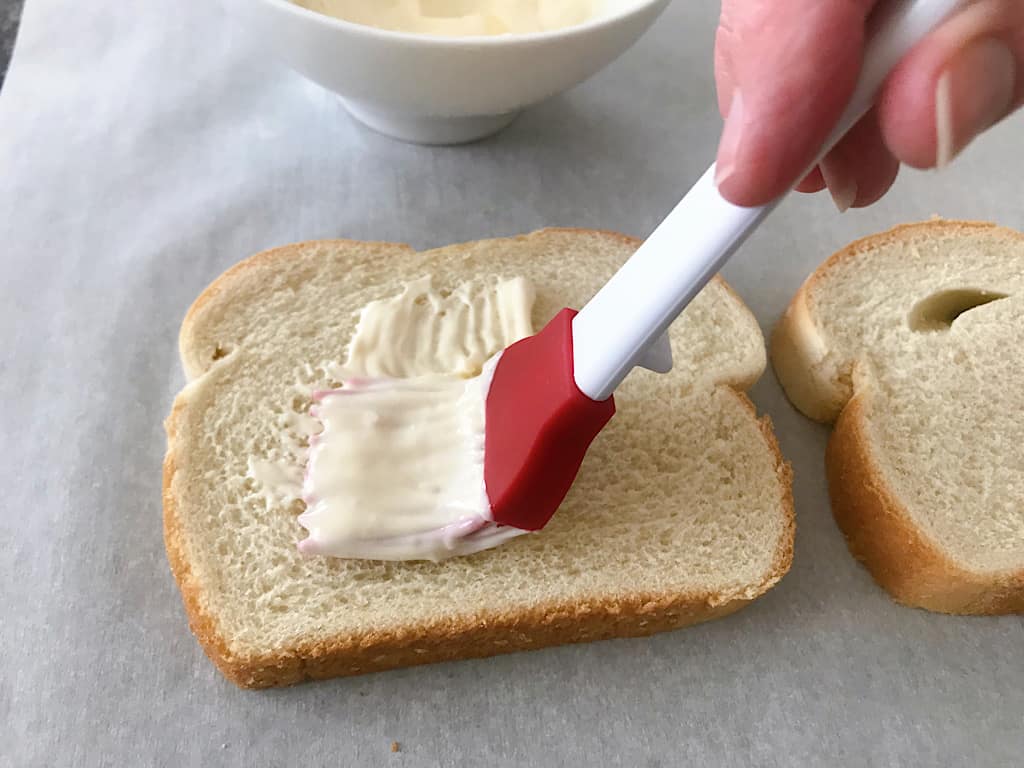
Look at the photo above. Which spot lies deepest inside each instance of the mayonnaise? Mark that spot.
(397, 471)
(458, 17)
(424, 331)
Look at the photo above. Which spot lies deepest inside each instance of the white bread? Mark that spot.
(899, 339)
(682, 511)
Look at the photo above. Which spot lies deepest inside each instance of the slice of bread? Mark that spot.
(682, 511)
(911, 341)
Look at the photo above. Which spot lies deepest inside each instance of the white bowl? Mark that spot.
(441, 90)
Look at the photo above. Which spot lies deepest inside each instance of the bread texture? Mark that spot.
(682, 511)
(910, 341)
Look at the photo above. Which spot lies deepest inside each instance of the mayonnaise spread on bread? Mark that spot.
(397, 471)
(424, 331)
(458, 17)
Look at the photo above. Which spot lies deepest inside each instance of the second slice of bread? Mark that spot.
(911, 341)
(682, 511)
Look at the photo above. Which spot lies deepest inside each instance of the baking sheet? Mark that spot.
(145, 147)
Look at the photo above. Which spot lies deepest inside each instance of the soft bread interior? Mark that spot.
(925, 324)
(682, 494)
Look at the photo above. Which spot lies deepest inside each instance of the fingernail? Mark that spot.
(975, 91)
(732, 135)
(841, 186)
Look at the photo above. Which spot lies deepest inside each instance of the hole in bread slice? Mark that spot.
(938, 311)
(221, 351)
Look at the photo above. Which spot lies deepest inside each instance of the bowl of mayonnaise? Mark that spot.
(445, 71)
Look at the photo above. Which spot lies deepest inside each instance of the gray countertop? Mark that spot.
(147, 146)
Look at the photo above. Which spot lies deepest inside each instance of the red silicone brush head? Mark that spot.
(538, 427)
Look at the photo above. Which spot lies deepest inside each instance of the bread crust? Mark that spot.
(879, 531)
(484, 634)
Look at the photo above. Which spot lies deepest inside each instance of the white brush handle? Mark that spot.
(612, 333)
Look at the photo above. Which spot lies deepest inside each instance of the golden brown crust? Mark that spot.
(879, 530)
(881, 534)
(798, 359)
(483, 635)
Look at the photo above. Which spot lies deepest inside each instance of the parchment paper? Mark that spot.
(147, 146)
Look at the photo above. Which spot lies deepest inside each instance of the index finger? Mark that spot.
(785, 70)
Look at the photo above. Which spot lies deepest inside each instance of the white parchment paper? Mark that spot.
(145, 147)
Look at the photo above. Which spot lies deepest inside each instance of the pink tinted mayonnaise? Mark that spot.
(397, 471)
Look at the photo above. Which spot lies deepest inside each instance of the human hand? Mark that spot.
(785, 71)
